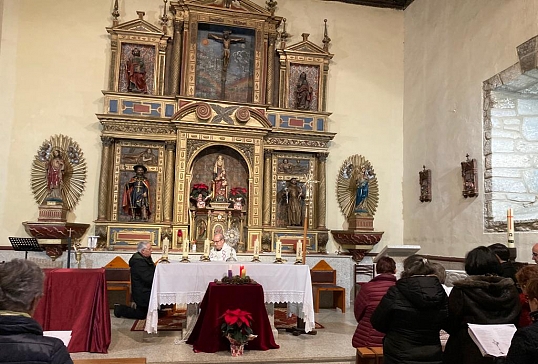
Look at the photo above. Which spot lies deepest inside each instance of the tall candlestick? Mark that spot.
(206, 247)
(166, 247)
(185, 248)
(278, 254)
(510, 228)
(256, 249)
(299, 250)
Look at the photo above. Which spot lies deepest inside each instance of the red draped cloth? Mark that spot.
(206, 336)
(76, 299)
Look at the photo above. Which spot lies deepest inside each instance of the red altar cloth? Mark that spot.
(76, 299)
(206, 335)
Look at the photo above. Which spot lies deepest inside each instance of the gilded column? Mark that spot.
(266, 217)
(104, 180)
(270, 69)
(175, 64)
(170, 148)
(322, 190)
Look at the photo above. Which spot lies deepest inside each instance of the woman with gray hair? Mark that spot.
(21, 337)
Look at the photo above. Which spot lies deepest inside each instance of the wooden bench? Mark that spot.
(118, 277)
(324, 280)
(111, 361)
(369, 355)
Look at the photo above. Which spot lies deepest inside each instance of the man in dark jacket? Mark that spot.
(21, 337)
(142, 271)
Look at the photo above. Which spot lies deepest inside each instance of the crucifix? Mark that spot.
(308, 185)
(227, 40)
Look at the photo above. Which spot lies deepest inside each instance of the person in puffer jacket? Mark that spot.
(484, 297)
(21, 337)
(367, 300)
(411, 314)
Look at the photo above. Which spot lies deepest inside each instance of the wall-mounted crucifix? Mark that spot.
(227, 40)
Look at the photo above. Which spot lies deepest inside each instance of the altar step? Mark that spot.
(220, 359)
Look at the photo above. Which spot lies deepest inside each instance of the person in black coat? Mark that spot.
(503, 254)
(484, 297)
(21, 337)
(142, 271)
(523, 348)
(411, 314)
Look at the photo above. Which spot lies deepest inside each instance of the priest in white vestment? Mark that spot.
(221, 251)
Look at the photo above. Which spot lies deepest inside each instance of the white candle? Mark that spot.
(278, 254)
(299, 250)
(256, 249)
(185, 248)
(206, 247)
(166, 247)
(510, 229)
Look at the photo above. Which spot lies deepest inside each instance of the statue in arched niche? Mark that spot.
(220, 184)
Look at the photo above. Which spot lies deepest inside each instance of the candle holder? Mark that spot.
(203, 258)
(256, 259)
(185, 259)
(298, 261)
(279, 261)
(163, 260)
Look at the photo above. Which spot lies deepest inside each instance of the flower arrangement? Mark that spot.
(237, 326)
(199, 188)
(238, 192)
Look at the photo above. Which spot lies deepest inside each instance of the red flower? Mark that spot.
(236, 325)
(238, 191)
(200, 186)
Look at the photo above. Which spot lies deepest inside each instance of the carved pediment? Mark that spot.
(232, 5)
(306, 46)
(222, 114)
(136, 26)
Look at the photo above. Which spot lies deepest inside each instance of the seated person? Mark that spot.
(523, 348)
(142, 271)
(21, 337)
(221, 251)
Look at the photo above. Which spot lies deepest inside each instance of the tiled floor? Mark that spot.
(332, 344)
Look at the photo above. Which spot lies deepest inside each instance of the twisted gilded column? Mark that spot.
(322, 189)
(266, 211)
(175, 64)
(104, 180)
(169, 160)
(270, 69)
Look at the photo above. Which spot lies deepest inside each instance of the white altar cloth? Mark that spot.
(187, 282)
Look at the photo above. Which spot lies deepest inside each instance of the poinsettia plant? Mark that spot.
(199, 188)
(238, 192)
(237, 326)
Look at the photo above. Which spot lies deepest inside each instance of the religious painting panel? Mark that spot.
(139, 179)
(303, 92)
(291, 166)
(128, 236)
(225, 63)
(289, 241)
(137, 68)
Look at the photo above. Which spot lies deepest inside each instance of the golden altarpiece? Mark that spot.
(212, 123)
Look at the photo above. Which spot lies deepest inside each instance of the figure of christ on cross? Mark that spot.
(226, 39)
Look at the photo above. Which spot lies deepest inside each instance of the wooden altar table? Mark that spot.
(187, 282)
(76, 300)
(207, 336)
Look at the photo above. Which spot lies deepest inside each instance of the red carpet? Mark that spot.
(282, 321)
(175, 321)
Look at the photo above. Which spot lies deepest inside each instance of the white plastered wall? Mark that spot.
(54, 62)
(451, 47)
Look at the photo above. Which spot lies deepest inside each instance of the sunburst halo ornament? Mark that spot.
(58, 172)
(357, 190)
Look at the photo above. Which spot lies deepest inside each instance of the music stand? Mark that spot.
(25, 245)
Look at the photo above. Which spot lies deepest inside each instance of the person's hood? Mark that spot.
(422, 291)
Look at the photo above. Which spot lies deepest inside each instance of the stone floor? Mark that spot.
(332, 344)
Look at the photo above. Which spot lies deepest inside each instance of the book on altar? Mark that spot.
(492, 340)
(65, 336)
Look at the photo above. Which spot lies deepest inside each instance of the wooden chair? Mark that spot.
(118, 277)
(324, 280)
(364, 270)
(369, 355)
